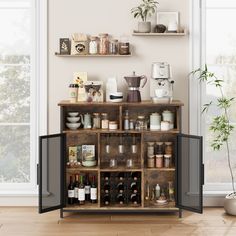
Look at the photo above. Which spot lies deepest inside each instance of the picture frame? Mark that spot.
(170, 20)
(65, 46)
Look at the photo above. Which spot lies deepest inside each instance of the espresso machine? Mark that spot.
(161, 85)
(134, 82)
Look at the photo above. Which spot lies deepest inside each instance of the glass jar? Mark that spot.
(151, 162)
(167, 161)
(113, 163)
(141, 123)
(113, 125)
(124, 46)
(131, 124)
(104, 42)
(113, 46)
(168, 148)
(96, 121)
(150, 148)
(159, 148)
(93, 46)
(169, 116)
(171, 191)
(159, 161)
(105, 121)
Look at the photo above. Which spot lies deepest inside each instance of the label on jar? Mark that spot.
(71, 193)
(81, 194)
(87, 189)
(76, 192)
(93, 194)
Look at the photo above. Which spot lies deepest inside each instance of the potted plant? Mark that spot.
(220, 127)
(146, 9)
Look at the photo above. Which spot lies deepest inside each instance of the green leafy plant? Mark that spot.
(145, 9)
(220, 125)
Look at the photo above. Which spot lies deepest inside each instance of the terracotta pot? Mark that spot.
(230, 204)
(144, 27)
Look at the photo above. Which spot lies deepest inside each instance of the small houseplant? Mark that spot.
(146, 9)
(220, 127)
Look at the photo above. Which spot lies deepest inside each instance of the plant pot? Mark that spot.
(144, 27)
(230, 204)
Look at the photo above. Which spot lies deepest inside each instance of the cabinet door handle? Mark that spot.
(37, 174)
(203, 174)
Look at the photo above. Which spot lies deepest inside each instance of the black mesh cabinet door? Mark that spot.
(189, 173)
(51, 172)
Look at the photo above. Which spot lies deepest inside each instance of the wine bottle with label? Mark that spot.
(107, 176)
(120, 187)
(134, 187)
(134, 176)
(87, 188)
(71, 193)
(107, 187)
(106, 199)
(93, 195)
(120, 198)
(76, 188)
(121, 176)
(81, 191)
(134, 198)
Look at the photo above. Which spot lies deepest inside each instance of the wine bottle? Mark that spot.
(107, 176)
(134, 187)
(120, 187)
(120, 198)
(107, 187)
(71, 192)
(134, 176)
(106, 199)
(87, 188)
(81, 191)
(93, 195)
(76, 188)
(121, 176)
(134, 198)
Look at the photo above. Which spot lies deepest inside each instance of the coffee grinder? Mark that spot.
(161, 85)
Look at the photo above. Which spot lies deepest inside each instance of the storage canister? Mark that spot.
(155, 121)
(105, 121)
(151, 162)
(150, 148)
(93, 45)
(167, 161)
(113, 125)
(159, 148)
(159, 161)
(96, 121)
(113, 46)
(168, 148)
(104, 43)
(168, 116)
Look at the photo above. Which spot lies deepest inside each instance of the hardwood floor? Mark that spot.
(27, 222)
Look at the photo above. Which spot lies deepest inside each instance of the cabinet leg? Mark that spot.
(180, 213)
(61, 213)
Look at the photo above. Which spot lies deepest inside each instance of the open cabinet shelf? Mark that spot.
(121, 184)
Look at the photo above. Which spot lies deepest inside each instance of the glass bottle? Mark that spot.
(171, 191)
(93, 192)
(76, 187)
(104, 42)
(126, 120)
(71, 193)
(87, 188)
(81, 191)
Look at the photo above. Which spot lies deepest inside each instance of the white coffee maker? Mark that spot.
(161, 85)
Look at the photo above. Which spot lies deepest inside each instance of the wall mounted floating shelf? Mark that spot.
(90, 55)
(160, 34)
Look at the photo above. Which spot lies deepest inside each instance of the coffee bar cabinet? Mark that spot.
(135, 167)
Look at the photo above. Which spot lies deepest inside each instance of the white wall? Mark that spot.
(113, 17)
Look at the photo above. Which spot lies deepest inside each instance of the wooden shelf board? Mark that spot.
(160, 169)
(137, 104)
(89, 131)
(83, 207)
(151, 205)
(121, 170)
(90, 55)
(82, 169)
(160, 34)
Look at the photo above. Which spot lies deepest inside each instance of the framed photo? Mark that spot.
(65, 46)
(170, 20)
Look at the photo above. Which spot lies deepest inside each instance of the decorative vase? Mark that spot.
(144, 27)
(230, 204)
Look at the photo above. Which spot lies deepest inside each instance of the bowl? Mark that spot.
(73, 114)
(73, 119)
(73, 126)
(89, 163)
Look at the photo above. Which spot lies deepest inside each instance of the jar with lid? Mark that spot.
(124, 46)
(141, 123)
(113, 125)
(93, 45)
(167, 161)
(104, 43)
(150, 148)
(113, 46)
(96, 121)
(168, 116)
(151, 161)
(105, 121)
(159, 161)
(159, 148)
(168, 148)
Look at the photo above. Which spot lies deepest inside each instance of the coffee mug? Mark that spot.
(161, 93)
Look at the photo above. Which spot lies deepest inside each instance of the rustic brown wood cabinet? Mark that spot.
(186, 170)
